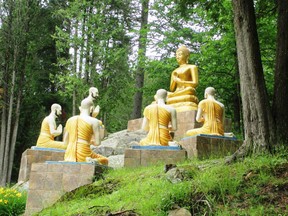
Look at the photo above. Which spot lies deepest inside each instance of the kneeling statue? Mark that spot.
(49, 131)
(157, 117)
(78, 133)
(211, 113)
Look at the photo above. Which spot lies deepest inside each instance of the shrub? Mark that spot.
(12, 202)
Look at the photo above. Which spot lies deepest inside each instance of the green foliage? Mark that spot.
(12, 202)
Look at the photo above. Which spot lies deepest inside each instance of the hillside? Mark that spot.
(255, 186)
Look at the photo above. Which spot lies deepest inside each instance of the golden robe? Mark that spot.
(76, 151)
(46, 139)
(213, 124)
(159, 119)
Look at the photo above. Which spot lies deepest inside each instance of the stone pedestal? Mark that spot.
(37, 155)
(151, 155)
(134, 124)
(50, 180)
(205, 146)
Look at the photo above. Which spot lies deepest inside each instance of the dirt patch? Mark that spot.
(276, 195)
(281, 170)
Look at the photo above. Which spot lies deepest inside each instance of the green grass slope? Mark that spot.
(255, 186)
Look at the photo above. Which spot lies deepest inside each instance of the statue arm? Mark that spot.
(173, 120)
(52, 126)
(66, 138)
(145, 124)
(194, 77)
(96, 132)
(199, 117)
(173, 83)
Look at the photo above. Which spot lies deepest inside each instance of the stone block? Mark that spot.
(37, 155)
(46, 186)
(86, 169)
(132, 153)
(152, 155)
(53, 181)
(41, 167)
(70, 181)
(135, 124)
(205, 146)
(37, 181)
(132, 162)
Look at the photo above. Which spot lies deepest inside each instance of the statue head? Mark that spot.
(161, 94)
(93, 92)
(209, 91)
(57, 109)
(182, 54)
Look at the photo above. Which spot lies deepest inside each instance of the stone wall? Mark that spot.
(151, 155)
(37, 155)
(205, 146)
(50, 180)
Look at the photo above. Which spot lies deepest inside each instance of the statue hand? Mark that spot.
(177, 80)
(60, 128)
(96, 111)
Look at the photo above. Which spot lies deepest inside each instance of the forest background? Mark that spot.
(52, 51)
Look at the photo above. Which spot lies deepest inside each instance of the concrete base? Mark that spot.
(50, 180)
(37, 155)
(151, 155)
(205, 146)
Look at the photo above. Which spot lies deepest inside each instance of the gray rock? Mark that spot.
(175, 175)
(116, 143)
(116, 161)
(179, 212)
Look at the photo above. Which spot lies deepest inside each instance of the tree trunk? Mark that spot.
(280, 104)
(14, 136)
(141, 57)
(237, 103)
(258, 123)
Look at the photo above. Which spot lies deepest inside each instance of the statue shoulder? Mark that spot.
(192, 67)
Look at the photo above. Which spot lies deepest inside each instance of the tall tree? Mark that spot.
(15, 30)
(139, 75)
(280, 105)
(257, 116)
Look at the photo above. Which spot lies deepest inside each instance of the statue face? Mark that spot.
(94, 93)
(181, 57)
(58, 111)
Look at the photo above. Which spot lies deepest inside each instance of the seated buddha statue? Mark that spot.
(78, 135)
(211, 113)
(157, 117)
(49, 130)
(184, 81)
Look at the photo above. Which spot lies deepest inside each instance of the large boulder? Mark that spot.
(116, 143)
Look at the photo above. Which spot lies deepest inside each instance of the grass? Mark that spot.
(255, 186)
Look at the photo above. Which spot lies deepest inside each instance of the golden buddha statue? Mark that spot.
(211, 112)
(157, 117)
(49, 130)
(184, 81)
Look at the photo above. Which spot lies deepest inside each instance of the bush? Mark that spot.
(12, 202)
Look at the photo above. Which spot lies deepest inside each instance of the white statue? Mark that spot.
(49, 130)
